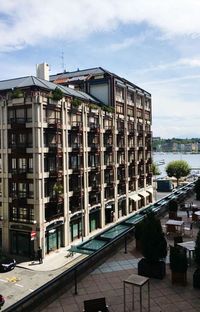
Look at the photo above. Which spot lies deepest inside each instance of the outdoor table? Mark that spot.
(138, 281)
(176, 224)
(190, 247)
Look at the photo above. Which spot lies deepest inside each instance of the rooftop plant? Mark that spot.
(16, 93)
(76, 102)
(57, 94)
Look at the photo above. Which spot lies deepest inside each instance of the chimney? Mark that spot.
(42, 71)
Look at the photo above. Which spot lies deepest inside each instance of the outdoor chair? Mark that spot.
(188, 227)
(95, 305)
(178, 218)
(195, 218)
(177, 239)
(171, 229)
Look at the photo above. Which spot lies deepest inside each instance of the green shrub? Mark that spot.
(76, 103)
(178, 259)
(153, 242)
(57, 94)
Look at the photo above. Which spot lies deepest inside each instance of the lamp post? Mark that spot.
(82, 208)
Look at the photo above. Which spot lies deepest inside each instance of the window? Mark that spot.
(20, 115)
(14, 214)
(22, 164)
(23, 215)
(29, 115)
(120, 109)
(31, 193)
(130, 111)
(22, 190)
(30, 165)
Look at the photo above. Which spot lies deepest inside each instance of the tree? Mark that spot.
(178, 169)
(155, 169)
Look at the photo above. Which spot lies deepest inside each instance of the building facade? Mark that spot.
(72, 164)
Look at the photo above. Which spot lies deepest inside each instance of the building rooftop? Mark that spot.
(32, 81)
(86, 74)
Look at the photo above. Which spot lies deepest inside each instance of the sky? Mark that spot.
(153, 43)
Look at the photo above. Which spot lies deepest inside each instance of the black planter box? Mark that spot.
(196, 279)
(152, 269)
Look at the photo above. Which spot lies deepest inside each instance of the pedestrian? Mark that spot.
(39, 254)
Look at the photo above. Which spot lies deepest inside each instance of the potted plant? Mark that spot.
(76, 103)
(196, 275)
(58, 189)
(153, 248)
(197, 189)
(138, 234)
(16, 94)
(57, 94)
(178, 265)
(173, 208)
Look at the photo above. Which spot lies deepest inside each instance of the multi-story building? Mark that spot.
(71, 163)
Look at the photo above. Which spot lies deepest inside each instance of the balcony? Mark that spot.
(108, 147)
(53, 212)
(108, 129)
(19, 198)
(55, 148)
(109, 165)
(54, 123)
(131, 132)
(19, 173)
(77, 147)
(55, 173)
(109, 182)
(77, 126)
(58, 199)
(94, 127)
(18, 122)
(94, 147)
(95, 186)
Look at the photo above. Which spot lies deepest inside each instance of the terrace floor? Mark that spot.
(107, 279)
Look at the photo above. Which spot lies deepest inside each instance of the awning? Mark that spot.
(150, 191)
(134, 197)
(143, 194)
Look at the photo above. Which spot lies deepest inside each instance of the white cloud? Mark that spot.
(128, 42)
(25, 22)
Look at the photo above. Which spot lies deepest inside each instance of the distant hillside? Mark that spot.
(176, 145)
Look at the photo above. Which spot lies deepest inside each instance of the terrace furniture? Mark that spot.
(174, 226)
(189, 247)
(138, 281)
(188, 227)
(95, 305)
(177, 239)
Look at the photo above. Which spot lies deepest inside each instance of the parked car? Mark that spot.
(2, 301)
(7, 264)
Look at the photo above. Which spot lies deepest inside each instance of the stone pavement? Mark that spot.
(107, 279)
(53, 261)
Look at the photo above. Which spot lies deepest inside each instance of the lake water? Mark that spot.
(192, 159)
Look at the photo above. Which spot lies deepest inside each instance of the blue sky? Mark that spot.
(154, 44)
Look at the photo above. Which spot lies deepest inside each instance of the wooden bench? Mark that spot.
(95, 305)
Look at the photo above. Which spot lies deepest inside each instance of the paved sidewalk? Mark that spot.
(53, 261)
